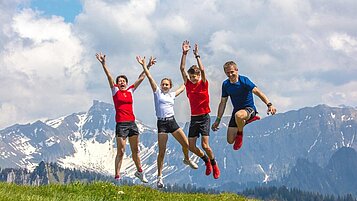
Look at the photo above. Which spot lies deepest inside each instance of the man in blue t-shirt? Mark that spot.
(241, 90)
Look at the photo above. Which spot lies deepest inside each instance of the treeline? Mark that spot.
(285, 194)
(189, 188)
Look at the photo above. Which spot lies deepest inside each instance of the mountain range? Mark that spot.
(276, 149)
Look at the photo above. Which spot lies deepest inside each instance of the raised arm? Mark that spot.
(142, 74)
(179, 90)
(101, 59)
(264, 98)
(199, 62)
(147, 72)
(221, 108)
(185, 48)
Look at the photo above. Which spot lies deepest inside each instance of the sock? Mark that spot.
(205, 158)
(240, 133)
(213, 161)
(140, 170)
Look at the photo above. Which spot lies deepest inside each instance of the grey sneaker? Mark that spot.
(192, 164)
(141, 176)
(160, 182)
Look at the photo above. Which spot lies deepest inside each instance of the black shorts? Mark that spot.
(167, 125)
(126, 129)
(199, 125)
(251, 113)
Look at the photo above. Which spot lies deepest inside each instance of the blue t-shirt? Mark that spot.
(240, 92)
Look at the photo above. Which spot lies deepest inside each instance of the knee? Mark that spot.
(120, 152)
(134, 151)
(240, 115)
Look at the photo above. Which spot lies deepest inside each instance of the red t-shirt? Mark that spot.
(198, 96)
(123, 103)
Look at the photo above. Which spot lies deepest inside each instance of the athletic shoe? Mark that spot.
(160, 183)
(141, 176)
(208, 168)
(189, 162)
(118, 180)
(238, 142)
(252, 119)
(216, 172)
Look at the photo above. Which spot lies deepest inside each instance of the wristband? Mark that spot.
(198, 56)
(269, 104)
(218, 119)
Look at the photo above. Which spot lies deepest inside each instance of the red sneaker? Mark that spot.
(238, 141)
(208, 168)
(252, 119)
(216, 172)
(117, 177)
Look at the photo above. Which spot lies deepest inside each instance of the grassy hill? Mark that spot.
(99, 191)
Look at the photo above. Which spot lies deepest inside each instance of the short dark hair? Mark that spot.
(121, 76)
(194, 70)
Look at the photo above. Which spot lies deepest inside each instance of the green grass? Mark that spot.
(99, 191)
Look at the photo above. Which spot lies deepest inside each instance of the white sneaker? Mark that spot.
(141, 176)
(192, 164)
(160, 182)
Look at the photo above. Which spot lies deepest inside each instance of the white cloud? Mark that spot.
(344, 43)
(42, 72)
(293, 50)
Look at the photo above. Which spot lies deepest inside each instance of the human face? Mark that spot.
(122, 84)
(194, 78)
(165, 86)
(232, 73)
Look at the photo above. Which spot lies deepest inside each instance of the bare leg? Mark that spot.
(193, 148)
(121, 143)
(134, 146)
(180, 136)
(206, 147)
(240, 117)
(162, 141)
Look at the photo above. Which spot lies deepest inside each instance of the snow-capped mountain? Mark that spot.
(271, 146)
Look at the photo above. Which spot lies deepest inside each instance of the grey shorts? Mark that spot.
(199, 125)
(251, 113)
(167, 125)
(126, 129)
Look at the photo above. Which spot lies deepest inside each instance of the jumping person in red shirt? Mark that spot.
(197, 93)
(124, 117)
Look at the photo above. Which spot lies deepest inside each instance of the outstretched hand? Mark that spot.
(185, 46)
(195, 50)
(141, 60)
(152, 61)
(271, 110)
(100, 57)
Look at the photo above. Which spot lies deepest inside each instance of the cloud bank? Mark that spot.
(300, 53)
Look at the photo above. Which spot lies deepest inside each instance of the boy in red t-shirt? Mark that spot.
(197, 93)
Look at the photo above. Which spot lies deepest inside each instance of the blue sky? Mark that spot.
(68, 9)
(298, 52)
